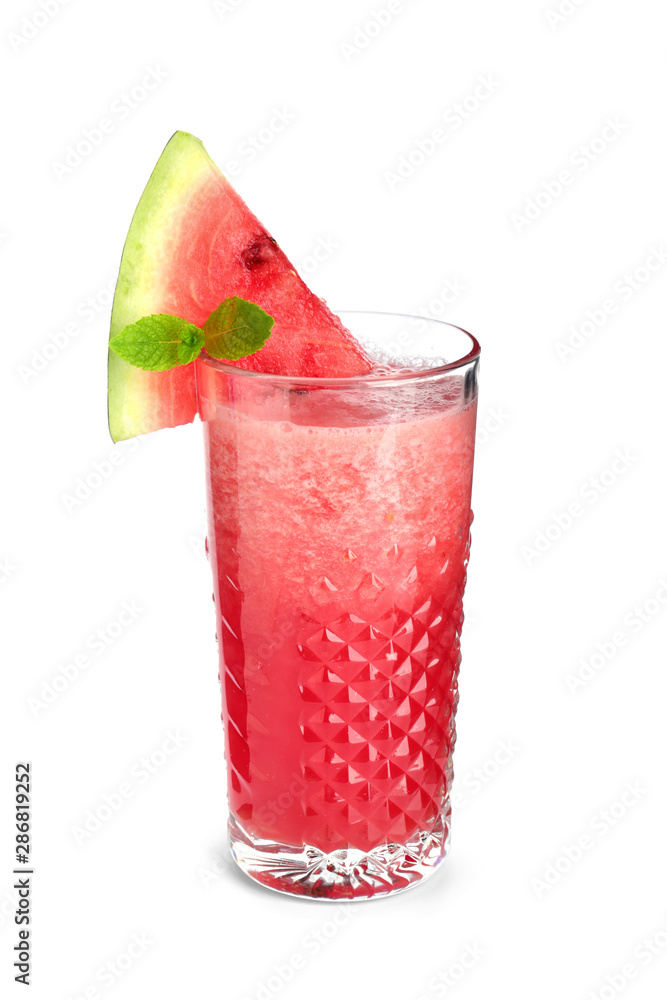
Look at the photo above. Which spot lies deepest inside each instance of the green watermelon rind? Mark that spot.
(141, 401)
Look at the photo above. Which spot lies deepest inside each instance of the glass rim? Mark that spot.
(364, 379)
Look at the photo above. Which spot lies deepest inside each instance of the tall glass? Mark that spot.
(339, 526)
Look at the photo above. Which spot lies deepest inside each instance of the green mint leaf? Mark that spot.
(192, 341)
(236, 329)
(157, 343)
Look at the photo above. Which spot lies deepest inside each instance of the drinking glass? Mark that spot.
(338, 535)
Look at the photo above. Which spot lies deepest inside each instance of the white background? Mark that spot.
(551, 425)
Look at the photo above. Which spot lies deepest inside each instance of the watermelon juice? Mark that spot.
(339, 517)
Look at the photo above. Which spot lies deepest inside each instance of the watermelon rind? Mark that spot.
(141, 401)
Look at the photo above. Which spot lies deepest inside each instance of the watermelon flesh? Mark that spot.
(193, 243)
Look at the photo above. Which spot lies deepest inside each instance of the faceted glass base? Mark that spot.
(343, 874)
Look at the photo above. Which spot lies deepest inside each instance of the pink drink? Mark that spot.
(339, 517)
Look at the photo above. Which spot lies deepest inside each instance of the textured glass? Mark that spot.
(339, 520)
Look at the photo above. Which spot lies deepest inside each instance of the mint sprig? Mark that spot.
(236, 329)
(157, 343)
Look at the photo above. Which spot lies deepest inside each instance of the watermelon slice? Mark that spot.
(193, 243)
